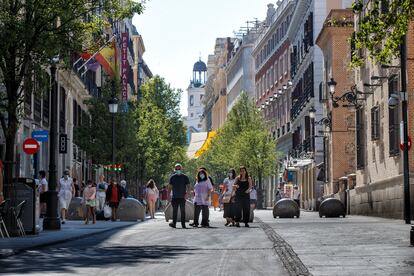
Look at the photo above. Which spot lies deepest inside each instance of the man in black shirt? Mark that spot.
(179, 184)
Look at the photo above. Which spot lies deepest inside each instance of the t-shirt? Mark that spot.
(229, 186)
(114, 194)
(43, 183)
(201, 190)
(179, 185)
(296, 194)
(101, 188)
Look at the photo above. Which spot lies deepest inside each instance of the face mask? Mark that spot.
(202, 176)
(230, 175)
(178, 172)
(66, 177)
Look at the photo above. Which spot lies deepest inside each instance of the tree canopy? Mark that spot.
(244, 140)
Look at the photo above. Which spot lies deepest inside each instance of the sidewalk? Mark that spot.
(70, 231)
(355, 245)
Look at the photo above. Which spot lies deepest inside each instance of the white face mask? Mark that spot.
(230, 174)
(66, 177)
(202, 176)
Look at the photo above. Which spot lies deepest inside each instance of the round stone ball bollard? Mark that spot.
(332, 208)
(189, 212)
(130, 209)
(286, 208)
(76, 210)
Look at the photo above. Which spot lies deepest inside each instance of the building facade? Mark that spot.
(338, 122)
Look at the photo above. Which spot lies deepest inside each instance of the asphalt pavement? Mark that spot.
(354, 245)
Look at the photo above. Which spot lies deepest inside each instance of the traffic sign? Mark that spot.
(408, 144)
(40, 135)
(30, 146)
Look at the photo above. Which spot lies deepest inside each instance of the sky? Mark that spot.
(177, 33)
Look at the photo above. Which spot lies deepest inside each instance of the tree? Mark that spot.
(382, 26)
(33, 32)
(161, 132)
(243, 140)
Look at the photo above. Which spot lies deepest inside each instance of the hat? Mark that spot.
(66, 172)
(177, 165)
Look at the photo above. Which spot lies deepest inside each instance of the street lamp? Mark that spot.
(312, 113)
(331, 84)
(113, 108)
(52, 221)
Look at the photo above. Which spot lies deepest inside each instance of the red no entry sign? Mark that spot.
(408, 143)
(30, 146)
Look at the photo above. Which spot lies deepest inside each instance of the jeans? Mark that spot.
(100, 203)
(175, 202)
(242, 206)
(205, 214)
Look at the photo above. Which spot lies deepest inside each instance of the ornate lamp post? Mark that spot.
(113, 109)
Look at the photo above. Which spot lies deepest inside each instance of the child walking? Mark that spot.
(89, 195)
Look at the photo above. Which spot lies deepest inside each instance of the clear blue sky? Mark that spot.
(176, 32)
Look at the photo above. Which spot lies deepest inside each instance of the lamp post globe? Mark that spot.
(113, 105)
(312, 112)
(332, 85)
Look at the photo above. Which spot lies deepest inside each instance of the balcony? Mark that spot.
(86, 78)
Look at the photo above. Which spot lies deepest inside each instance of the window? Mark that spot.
(360, 148)
(286, 63)
(393, 118)
(276, 72)
(272, 76)
(192, 115)
(375, 123)
(192, 100)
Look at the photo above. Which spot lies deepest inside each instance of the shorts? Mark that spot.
(64, 202)
(152, 197)
(43, 198)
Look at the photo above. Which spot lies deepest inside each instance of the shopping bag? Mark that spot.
(107, 211)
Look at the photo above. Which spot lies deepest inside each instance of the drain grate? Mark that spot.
(287, 255)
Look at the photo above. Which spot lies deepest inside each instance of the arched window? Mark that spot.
(192, 100)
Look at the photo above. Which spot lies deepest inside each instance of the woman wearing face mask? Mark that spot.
(151, 195)
(202, 191)
(66, 190)
(227, 196)
(113, 197)
(243, 186)
(89, 195)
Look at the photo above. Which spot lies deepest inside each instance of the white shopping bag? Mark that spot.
(107, 211)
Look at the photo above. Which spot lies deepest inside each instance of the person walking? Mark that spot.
(296, 195)
(278, 194)
(164, 197)
(89, 195)
(66, 190)
(179, 185)
(78, 190)
(202, 191)
(124, 188)
(43, 188)
(113, 197)
(151, 197)
(101, 193)
(228, 194)
(253, 198)
(243, 185)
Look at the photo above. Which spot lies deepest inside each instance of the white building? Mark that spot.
(195, 97)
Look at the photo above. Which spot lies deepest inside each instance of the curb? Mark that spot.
(55, 242)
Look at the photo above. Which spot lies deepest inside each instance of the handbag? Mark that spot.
(226, 199)
(107, 211)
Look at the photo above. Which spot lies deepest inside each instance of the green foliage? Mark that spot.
(243, 140)
(381, 29)
(161, 133)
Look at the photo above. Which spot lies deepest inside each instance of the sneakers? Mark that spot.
(193, 225)
(172, 225)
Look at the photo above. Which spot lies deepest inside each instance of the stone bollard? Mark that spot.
(76, 209)
(286, 208)
(189, 212)
(332, 208)
(130, 209)
(412, 235)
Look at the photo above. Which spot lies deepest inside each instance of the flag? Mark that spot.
(107, 58)
(85, 55)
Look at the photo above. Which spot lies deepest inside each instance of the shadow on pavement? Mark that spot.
(67, 259)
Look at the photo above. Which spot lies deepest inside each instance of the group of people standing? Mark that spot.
(236, 197)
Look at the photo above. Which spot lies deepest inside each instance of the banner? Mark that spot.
(107, 58)
(124, 66)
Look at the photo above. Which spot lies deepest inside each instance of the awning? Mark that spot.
(199, 143)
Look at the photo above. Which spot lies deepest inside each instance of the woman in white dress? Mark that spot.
(227, 197)
(66, 190)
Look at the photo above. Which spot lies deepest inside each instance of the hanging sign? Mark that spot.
(124, 66)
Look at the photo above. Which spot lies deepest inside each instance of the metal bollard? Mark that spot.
(412, 235)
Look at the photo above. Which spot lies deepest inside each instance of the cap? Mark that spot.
(177, 165)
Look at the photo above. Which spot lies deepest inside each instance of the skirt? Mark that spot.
(91, 202)
(228, 210)
(64, 202)
(114, 204)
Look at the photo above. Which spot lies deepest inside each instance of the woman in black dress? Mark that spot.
(243, 186)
